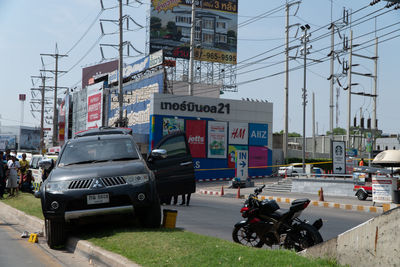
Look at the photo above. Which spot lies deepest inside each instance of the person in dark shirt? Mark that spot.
(2, 175)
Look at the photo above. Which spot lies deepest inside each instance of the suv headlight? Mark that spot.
(58, 186)
(136, 178)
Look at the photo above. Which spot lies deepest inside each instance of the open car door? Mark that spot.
(174, 173)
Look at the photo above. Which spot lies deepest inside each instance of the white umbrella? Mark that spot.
(388, 158)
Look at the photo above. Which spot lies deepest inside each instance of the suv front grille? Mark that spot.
(113, 181)
(80, 184)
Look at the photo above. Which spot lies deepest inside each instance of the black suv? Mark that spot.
(101, 172)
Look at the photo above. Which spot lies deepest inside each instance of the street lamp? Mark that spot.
(304, 51)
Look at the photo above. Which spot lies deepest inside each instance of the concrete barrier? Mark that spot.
(339, 187)
(373, 243)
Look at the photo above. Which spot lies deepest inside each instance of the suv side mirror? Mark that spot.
(158, 154)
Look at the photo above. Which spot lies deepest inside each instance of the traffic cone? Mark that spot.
(238, 193)
(222, 191)
(321, 195)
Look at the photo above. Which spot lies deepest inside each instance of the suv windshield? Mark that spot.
(92, 151)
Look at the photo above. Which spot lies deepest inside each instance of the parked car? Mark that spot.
(101, 172)
(295, 168)
(291, 170)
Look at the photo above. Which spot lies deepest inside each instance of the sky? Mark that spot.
(30, 28)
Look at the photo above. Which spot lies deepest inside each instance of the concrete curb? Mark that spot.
(95, 255)
(350, 207)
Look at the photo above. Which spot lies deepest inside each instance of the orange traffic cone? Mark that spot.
(321, 195)
(222, 191)
(238, 193)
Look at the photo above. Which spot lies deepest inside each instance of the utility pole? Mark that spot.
(374, 124)
(121, 121)
(120, 68)
(331, 106)
(55, 72)
(304, 40)
(349, 90)
(313, 123)
(286, 89)
(192, 41)
(42, 90)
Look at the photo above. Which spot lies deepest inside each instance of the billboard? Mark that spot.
(136, 67)
(171, 125)
(215, 29)
(238, 133)
(7, 142)
(196, 136)
(89, 73)
(94, 105)
(217, 139)
(136, 102)
(258, 134)
(258, 156)
(29, 139)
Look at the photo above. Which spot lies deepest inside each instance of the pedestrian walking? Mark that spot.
(12, 177)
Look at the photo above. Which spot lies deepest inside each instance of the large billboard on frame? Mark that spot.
(215, 29)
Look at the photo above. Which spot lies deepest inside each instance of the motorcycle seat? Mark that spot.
(279, 213)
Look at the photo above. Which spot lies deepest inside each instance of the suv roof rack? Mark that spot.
(104, 130)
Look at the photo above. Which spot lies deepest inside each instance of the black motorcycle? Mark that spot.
(266, 224)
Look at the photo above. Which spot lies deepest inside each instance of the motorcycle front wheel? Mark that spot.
(304, 236)
(243, 234)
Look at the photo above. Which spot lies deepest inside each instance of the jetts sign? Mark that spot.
(220, 108)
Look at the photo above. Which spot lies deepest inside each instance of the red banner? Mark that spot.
(94, 107)
(196, 136)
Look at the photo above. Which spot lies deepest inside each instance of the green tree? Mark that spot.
(293, 134)
(337, 131)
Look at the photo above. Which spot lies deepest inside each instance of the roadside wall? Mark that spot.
(373, 243)
(330, 187)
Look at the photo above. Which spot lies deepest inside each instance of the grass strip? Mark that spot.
(165, 247)
(25, 202)
(181, 248)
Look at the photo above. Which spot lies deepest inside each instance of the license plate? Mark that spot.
(98, 199)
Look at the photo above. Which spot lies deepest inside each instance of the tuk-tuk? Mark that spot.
(362, 177)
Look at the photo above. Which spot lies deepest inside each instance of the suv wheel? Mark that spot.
(150, 217)
(55, 233)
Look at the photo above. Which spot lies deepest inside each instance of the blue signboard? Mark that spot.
(258, 134)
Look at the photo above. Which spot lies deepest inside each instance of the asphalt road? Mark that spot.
(216, 216)
(16, 251)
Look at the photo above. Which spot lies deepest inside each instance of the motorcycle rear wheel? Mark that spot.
(303, 237)
(243, 234)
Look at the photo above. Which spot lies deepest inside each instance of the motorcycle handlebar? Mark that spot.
(259, 190)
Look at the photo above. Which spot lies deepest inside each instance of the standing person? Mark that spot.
(12, 178)
(7, 154)
(2, 175)
(361, 163)
(24, 167)
(185, 199)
